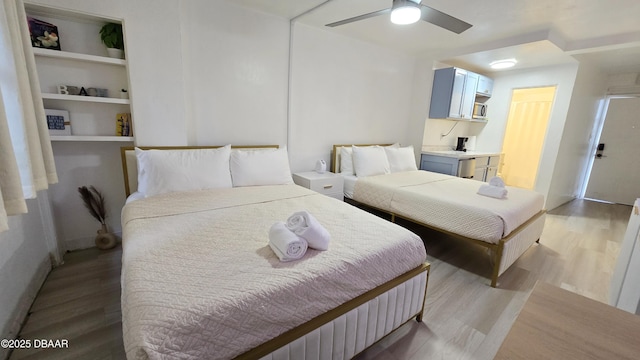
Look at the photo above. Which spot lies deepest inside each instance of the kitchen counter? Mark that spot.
(460, 154)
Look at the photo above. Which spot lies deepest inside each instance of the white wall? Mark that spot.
(346, 91)
(491, 135)
(573, 153)
(153, 39)
(435, 128)
(623, 83)
(24, 264)
(98, 165)
(236, 74)
(421, 96)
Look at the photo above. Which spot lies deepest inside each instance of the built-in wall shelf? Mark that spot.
(91, 138)
(77, 56)
(97, 99)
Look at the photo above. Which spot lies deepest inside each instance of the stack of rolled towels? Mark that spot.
(290, 239)
(494, 189)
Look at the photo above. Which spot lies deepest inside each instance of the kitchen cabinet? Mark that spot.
(483, 166)
(440, 164)
(485, 86)
(486, 167)
(453, 94)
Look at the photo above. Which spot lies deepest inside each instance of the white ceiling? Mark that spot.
(537, 33)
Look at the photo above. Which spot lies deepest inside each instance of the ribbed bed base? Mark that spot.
(519, 243)
(356, 330)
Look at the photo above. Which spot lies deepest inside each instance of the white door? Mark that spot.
(615, 176)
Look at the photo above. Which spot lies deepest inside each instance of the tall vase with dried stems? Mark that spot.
(94, 202)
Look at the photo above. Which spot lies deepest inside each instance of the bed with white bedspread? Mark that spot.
(443, 201)
(199, 280)
(452, 206)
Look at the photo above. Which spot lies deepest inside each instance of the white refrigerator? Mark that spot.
(625, 282)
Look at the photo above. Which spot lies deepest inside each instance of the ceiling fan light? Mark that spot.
(405, 14)
(503, 64)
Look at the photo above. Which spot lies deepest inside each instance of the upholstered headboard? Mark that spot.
(130, 166)
(335, 155)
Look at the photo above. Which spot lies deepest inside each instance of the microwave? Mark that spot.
(479, 111)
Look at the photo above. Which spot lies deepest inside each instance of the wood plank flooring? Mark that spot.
(464, 319)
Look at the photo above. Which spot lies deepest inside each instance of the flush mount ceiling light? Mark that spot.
(405, 12)
(503, 64)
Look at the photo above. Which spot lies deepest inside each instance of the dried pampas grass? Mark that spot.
(94, 202)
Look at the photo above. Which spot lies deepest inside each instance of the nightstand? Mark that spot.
(327, 183)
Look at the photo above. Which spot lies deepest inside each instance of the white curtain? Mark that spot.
(26, 158)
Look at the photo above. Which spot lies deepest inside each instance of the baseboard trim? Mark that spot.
(24, 304)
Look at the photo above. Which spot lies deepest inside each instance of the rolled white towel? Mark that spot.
(306, 226)
(496, 181)
(287, 245)
(493, 191)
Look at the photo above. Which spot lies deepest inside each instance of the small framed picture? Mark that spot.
(43, 34)
(58, 122)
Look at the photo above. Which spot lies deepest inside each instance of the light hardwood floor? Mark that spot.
(464, 317)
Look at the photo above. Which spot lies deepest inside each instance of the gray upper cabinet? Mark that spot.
(453, 94)
(485, 86)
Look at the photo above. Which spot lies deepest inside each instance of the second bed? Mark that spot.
(451, 205)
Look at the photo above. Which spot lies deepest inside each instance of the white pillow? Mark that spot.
(163, 171)
(370, 160)
(346, 161)
(401, 158)
(260, 167)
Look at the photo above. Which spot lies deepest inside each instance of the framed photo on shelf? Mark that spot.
(43, 34)
(58, 122)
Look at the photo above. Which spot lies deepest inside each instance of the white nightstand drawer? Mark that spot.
(328, 183)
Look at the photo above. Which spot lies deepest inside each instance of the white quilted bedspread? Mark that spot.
(200, 282)
(449, 203)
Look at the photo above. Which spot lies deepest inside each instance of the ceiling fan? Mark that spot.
(410, 11)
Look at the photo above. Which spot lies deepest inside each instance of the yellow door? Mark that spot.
(524, 136)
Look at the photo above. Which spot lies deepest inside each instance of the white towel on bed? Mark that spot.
(493, 191)
(287, 245)
(306, 226)
(496, 181)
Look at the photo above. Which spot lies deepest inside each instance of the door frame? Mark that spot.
(594, 139)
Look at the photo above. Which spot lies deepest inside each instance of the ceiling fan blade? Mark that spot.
(360, 17)
(443, 20)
